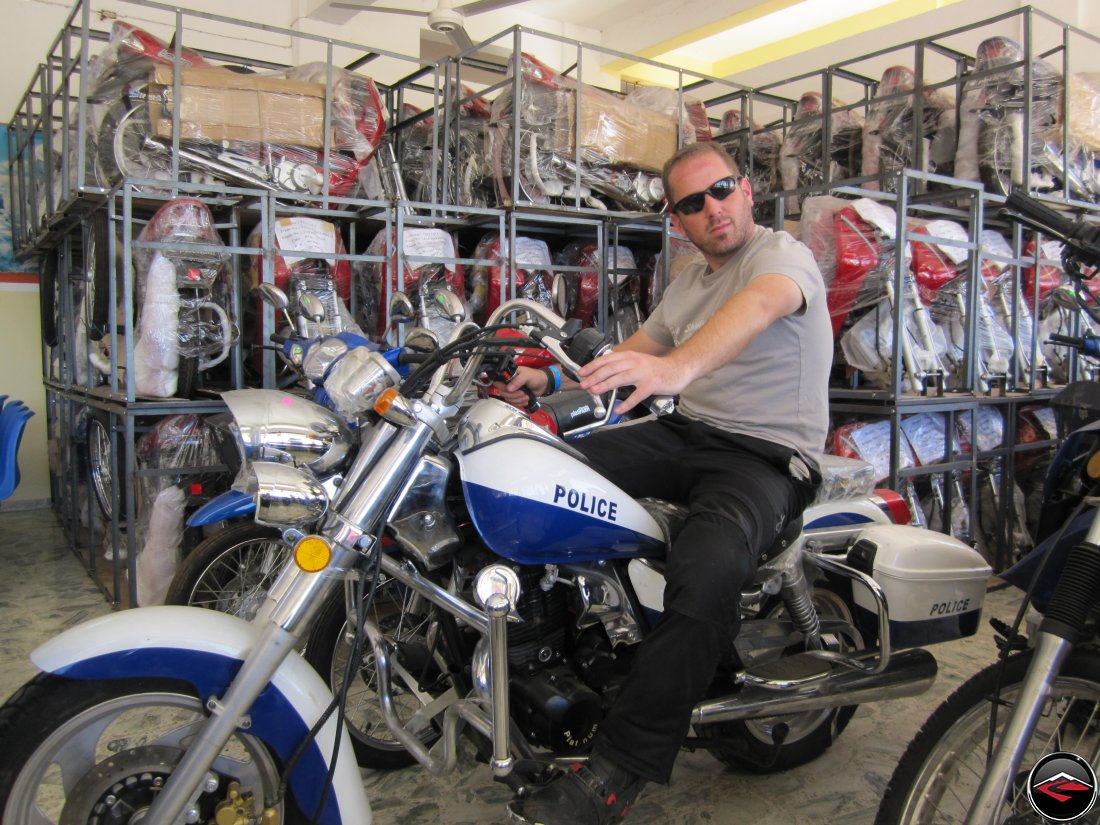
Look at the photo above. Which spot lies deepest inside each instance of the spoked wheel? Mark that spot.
(1000, 153)
(751, 744)
(100, 751)
(99, 462)
(231, 571)
(937, 778)
(403, 618)
(121, 149)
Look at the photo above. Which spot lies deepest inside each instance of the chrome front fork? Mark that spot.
(292, 603)
(1050, 652)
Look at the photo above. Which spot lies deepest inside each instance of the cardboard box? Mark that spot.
(622, 132)
(217, 104)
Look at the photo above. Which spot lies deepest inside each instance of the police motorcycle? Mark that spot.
(499, 586)
(981, 757)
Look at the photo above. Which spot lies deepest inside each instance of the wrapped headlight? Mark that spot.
(277, 426)
(358, 379)
(321, 357)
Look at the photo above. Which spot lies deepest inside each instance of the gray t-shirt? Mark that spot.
(778, 388)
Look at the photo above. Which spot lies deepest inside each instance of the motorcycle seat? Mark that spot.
(671, 517)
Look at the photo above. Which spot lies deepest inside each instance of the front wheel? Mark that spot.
(231, 571)
(939, 774)
(100, 751)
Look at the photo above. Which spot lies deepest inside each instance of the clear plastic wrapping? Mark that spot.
(583, 287)
(888, 130)
(622, 145)
(177, 442)
(531, 276)
(756, 154)
(991, 130)
(816, 229)
(243, 128)
(843, 477)
(307, 266)
(182, 300)
(375, 282)
(803, 159)
(870, 442)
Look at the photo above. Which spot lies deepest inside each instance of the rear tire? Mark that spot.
(749, 745)
(187, 376)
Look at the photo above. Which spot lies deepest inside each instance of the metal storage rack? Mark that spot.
(55, 203)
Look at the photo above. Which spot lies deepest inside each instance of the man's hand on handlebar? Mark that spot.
(648, 375)
(535, 381)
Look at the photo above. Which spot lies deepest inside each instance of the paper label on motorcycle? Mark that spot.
(882, 217)
(951, 231)
(531, 253)
(994, 243)
(307, 235)
(429, 243)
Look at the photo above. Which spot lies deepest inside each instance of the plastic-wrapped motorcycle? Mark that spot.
(132, 81)
(993, 124)
(498, 587)
(978, 759)
(182, 326)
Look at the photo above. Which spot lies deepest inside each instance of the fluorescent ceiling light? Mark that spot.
(777, 25)
(769, 31)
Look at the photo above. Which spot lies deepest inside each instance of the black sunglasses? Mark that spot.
(719, 190)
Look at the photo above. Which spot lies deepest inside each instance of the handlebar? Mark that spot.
(1081, 239)
(1086, 344)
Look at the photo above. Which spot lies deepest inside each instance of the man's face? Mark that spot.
(721, 227)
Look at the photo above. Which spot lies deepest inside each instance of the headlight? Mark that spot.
(285, 496)
(358, 379)
(276, 426)
(321, 357)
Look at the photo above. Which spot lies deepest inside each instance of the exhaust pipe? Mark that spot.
(909, 673)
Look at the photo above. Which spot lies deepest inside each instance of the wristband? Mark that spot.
(553, 380)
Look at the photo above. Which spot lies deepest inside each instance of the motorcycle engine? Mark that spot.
(553, 707)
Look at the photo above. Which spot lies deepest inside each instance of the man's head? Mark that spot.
(709, 201)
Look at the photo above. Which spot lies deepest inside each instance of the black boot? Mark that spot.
(596, 792)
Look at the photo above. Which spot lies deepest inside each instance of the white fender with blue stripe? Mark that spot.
(205, 648)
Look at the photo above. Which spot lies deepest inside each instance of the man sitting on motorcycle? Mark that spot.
(743, 337)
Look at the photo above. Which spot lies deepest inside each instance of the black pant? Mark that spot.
(740, 495)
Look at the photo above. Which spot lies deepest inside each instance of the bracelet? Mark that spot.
(553, 380)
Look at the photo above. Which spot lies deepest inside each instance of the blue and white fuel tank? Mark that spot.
(534, 500)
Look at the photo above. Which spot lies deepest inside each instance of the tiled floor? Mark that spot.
(43, 589)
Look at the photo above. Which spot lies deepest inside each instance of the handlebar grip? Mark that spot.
(1069, 340)
(1040, 214)
(279, 338)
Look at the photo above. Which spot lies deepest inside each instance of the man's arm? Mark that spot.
(722, 338)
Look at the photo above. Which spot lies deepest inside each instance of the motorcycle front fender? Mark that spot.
(230, 505)
(205, 648)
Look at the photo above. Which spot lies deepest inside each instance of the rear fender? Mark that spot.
(205, 648)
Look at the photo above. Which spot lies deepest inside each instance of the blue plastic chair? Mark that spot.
(13, 421)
